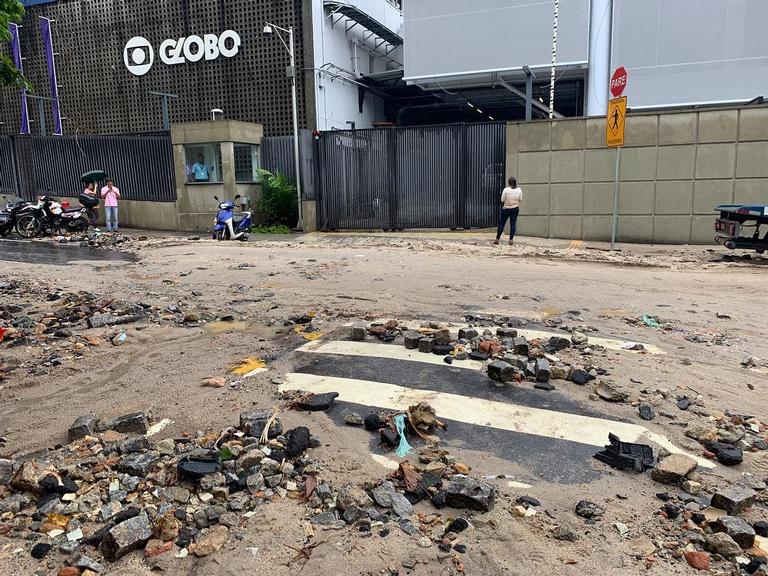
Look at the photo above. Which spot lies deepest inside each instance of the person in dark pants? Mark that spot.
(510, 208)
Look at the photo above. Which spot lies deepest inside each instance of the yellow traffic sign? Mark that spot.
(614, 125)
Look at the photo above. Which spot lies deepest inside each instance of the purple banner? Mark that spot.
(45, 29)
(16, 54)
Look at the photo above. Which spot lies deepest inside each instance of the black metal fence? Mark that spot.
(141, 165)
(277, 155)
(447, 176)
(8, 184)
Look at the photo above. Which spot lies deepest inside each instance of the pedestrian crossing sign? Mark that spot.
(614, 126)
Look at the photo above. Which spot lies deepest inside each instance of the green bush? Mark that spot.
(278, 199)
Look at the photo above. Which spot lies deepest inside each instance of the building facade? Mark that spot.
(678, 53)
(114, 58)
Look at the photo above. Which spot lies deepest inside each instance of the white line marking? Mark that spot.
(378, 350)
(481, 412)
(254, 372)
(530, 334)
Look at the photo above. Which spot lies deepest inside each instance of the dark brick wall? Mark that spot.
(99, 95)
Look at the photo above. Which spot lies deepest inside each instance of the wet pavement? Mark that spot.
(45, 252)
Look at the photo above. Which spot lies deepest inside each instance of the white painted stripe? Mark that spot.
(388, 351)
(254, 372)
(530, 334)
(481, 412)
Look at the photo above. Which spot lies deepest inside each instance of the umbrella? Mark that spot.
(93, 176)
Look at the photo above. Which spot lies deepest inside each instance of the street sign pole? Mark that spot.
(615, 199)
(614, 137)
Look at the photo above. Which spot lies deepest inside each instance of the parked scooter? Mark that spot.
(226, 227)
(9, 215)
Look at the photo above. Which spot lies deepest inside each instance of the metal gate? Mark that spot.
(446, 176)
(141, 164)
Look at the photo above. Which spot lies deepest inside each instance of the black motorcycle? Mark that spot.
(10, 214)
(49, 217)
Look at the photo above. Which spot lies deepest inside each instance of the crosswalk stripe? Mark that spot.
(504, 416)
(377, 350)
(531, 334)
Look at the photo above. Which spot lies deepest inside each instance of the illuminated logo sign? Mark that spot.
(139, 56)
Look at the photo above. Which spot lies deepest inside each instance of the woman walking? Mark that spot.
(510, 208)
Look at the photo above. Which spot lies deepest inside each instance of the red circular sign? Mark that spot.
(618, 81)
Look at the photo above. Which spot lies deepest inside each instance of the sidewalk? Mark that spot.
(477, 237)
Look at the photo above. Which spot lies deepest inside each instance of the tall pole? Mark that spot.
(556, 9)
(599, 72)
(300, 224)
(615, 220)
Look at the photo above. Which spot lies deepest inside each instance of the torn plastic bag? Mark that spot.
(626, 455)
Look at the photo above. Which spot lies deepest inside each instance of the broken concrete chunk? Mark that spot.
(138, 464)
(559, 343)
(721, 543)
(351, 495)
(135, 422)
(470, 493)
(501, 371)
(542, 370)
(318, 402)
(737, 528)
(411, 340)
(733, 499)
(726, 454)
(467, 333)
(210, 542)
(83, 426)
(673, 469)
(6, 471)
(126, 536)
(135, 444)
(520, 345)
(609, 392)
(358, 332)
(253, 424)
(506, 332)
(442, 337)
(426, 345)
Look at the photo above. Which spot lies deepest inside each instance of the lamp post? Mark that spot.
(269, 30)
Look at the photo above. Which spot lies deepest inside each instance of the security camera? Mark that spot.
(268, 30)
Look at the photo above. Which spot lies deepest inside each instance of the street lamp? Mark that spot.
(269, 30)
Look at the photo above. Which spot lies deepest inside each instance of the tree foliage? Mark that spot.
(10, 11)
(278, 202)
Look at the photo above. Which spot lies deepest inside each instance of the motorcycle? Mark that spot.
(9, 215)
(49, 217)
(226, 227)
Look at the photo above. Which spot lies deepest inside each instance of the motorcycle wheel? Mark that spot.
(77, 226)
(28, 226)
(221, 235)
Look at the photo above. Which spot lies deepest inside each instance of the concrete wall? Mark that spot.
(675, 167)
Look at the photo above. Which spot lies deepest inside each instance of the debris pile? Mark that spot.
(113, 490)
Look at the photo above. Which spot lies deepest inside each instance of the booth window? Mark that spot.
(246, 162)
(202, 163)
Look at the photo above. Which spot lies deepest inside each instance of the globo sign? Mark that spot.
(138, 54)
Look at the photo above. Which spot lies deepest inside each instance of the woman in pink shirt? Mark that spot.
(110, 194)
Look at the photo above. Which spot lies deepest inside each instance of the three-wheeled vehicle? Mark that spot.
(738, 219)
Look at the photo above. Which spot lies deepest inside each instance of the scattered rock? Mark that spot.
(351, 495)
(737, 528)
(589, 510)
(733, 499)
(129, 535)
(566, 532)
(697, 560)
(646, 412)
(470, 493)
(673, 469)
(214, 539)
(726, 454)
(40, 550)
(501, 371)
(83, 426)
(721, 543)
(610, 392)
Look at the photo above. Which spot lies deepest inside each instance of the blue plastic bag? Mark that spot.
(403, 448)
